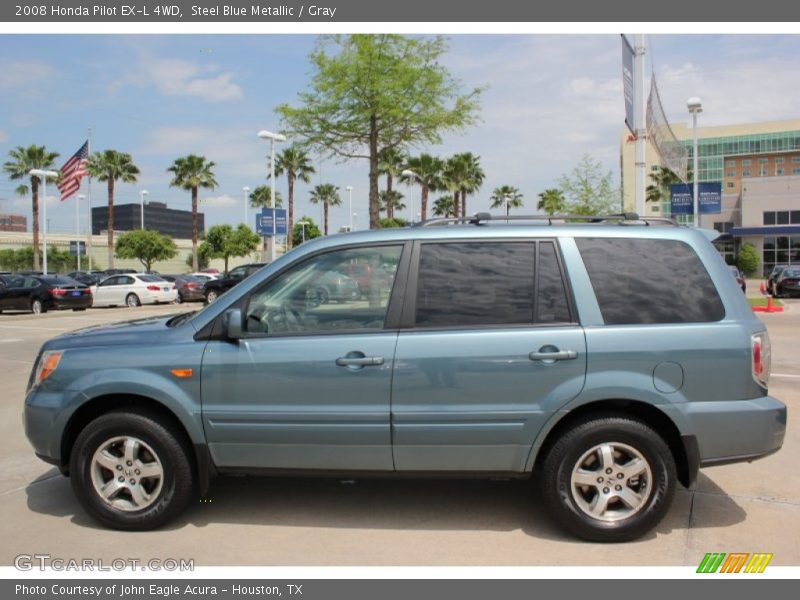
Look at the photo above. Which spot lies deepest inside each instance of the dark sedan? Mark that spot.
(40, 293)
(190, 288)
(216, 287)
(88, 277)
(788, 282)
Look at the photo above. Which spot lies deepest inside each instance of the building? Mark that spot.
(13, 222)
(157, 217)
(758, 166)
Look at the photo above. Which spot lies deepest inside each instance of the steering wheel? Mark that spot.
(292, 319)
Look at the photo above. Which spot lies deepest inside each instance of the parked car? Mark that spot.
(5, 278)
(214, 288)
(133, 290)
(739, 276)
(334, 287)
(608, 360)
(88, 277)
(210, 271)
(773, 275)
(40, 293)
(119, 271)
(787, 283)
(190, 288)
(204, 276)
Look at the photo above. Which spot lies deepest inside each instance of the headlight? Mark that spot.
(48, 363)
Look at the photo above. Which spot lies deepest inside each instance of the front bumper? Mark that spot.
(736, 430)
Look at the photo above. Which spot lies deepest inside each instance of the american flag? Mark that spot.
(72, 171)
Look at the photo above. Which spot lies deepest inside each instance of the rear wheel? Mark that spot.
(37, 307)
(211, 296)
(609, 479)
(132, 300)
(130, 472)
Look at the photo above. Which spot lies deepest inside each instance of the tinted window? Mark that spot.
(552, 306)
(123, 280)
(150, 278)
(475, 283)
(649, 281)
(109, 281)
(237, 273)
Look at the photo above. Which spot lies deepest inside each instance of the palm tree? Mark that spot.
(454, 177)
(110, 166)
(189, 173)
(663, 178)
(443, 206)
(391, 162)
(506, 195)
(328, 195)
(473, 177)
(552, 201)
(396, 202)
(293, 161)
(427, 171)
(23, 160)
(261, 197)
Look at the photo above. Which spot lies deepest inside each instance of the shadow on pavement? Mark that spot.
(394, 504)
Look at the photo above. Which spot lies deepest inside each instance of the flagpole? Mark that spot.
(89, 204)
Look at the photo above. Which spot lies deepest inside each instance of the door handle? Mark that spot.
(359, 361)
(553, 355)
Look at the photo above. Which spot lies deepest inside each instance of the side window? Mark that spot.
(109, 281)
(125, 280)
(317, 295)
(552, 305)
(31, 283)
(649, 281)
(475, 283)
(237, 273)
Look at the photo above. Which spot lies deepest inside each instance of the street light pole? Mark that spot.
(349, 189)
(43, 175)
(142, 194)
(412, 176)
(695, 107)
(272, 137)
(303, 227)
(246, 190)
(78, 227)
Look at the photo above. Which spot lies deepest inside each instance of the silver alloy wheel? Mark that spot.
(36, 307)
(132, 300)
(126, 473)
(212, 295)
(611, 481)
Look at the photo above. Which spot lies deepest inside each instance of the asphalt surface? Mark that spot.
(257, 521)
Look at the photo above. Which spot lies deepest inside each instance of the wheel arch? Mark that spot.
(104, 404)
(683, 448)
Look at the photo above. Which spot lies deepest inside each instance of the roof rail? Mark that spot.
(483, 217)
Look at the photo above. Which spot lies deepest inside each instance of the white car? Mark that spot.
(205, 276)
(133, 290)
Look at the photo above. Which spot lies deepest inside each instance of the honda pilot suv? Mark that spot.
(608, 359)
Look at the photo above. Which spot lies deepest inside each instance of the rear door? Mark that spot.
(490, 348)
(107, 291)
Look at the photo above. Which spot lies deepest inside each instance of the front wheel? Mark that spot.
(130, 472)
(609, 479)
(211, 296)
(37, 307)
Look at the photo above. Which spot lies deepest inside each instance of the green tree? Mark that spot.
(662, 180)
(190, 173)
(391, 162)
(311, 231)
(473, 177)
(146, 246)
(21, 161)
(110, 166)
(223, 241)
(507, 197)
(454, 177)
(748, 260)
(427, 172)
(261, 197)
(443, 206)
(552, 201)
(326, 194)
(394, 222)
(588, 190)
(203, 257)
(385, 203)
(293, 161)
(369, 93)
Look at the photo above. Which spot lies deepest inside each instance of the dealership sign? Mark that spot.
(264, 221)
(709, 198)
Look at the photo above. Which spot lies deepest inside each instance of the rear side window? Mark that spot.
(470, 284)
(649, 281)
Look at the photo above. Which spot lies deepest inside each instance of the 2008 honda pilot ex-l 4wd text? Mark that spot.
(607, 360)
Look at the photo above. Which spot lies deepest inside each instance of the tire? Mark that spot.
(37, 307)
(650, 488)
(211, 296)
(179, 299)
(78, 309)
(149, 502)
(132, 301)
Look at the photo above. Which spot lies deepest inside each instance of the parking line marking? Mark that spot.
(9, 340)
(785, 375)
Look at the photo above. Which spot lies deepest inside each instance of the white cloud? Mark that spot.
(3, 137)
(177, 77)
(24, 75)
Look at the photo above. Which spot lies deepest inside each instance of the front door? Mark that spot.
(308, 384)
(491, 348)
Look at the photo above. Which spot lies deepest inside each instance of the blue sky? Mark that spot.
(549, 100)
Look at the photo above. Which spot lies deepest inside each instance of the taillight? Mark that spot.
(761, 358)
(153, 288)
(57, 292)
(191, 286)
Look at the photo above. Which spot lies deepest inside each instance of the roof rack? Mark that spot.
(483, 217)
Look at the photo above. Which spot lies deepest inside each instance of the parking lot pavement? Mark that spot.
(251, 521)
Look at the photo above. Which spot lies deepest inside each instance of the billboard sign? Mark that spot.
(627, 83)
(76, 248)
(264, 221)
(709, 198)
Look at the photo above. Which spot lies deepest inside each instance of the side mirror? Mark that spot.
(232, 321)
